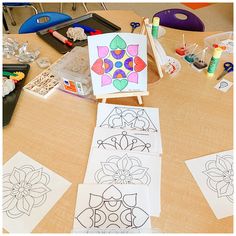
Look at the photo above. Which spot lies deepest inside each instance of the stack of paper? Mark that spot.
(121, 187)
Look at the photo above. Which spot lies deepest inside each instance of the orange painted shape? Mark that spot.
(197, 5)
(71, 88)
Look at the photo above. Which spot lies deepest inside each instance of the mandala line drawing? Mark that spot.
(122, 170)
(124, 141)
(119, 64)
(132, 118)
(112, 210)
(24, 188)
(220, 176)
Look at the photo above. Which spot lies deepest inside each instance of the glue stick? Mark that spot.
(155, 27)
(214, 61)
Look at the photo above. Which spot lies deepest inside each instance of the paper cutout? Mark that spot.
(111, 207)
(214, 176)
(30, 190)
(121, 167)
(119, 56)
(128, 140)
(224, 85)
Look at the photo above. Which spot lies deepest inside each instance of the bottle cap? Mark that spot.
(156, 21)
(217, 52)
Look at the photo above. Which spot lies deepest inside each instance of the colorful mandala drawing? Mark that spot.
(119, 64)
(132, 118)
(220, 176)
(122, 170)
(24, 189)
(124, 141)
(113, 210)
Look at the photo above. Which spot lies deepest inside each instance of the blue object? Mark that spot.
(134, 25)
(169, 18)
(16, 4)
(118, 64)
(33, 25)
(84, 27)
(229, 67)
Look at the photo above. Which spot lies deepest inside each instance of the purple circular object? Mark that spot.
(118, 54)
(129, 63)
(118, 74)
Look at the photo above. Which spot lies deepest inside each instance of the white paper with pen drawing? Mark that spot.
(103, 206)
(120, 167)
(128, 140)
(118, 62)
(214, 176)
(30, 190)
(128, 117)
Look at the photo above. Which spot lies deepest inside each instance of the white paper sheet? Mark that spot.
(119, 167)
(128, 140)
(128, 117)
(214, 176)
(30, 190)
(224, 85)
(116, 207)
(118, 62)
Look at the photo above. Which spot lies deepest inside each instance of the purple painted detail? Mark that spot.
(108, 65)
(118, 54)
(129, 63)
(118, 74)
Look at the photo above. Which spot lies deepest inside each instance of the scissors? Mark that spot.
(229, 67)
(134, 25)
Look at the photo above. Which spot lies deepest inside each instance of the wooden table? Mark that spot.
(195, 119)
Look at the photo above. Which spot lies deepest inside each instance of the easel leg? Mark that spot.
(104, 100)
(140, 101)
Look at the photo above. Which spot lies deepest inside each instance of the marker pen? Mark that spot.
(60, 37)
(155, 27)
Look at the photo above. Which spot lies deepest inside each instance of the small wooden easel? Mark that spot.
(144, 30)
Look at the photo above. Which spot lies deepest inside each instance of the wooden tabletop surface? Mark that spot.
(195, 120)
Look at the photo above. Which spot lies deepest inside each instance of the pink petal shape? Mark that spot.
(133, 77)
(133, 50)
(106, 80)
(103, 51)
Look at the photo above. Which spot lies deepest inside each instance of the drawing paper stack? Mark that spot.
(121, 187)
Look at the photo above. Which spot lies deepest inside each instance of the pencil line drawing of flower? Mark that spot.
(24, 189)
(122, 170)
(220, 176)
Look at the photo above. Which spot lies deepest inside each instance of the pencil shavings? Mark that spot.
(76, 33)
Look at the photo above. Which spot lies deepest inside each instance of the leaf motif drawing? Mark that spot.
(220, 174)
(24, 189)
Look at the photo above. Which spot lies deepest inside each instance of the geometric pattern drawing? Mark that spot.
(122, 170)
(112, 210)
(124, 141)
(132, 118)
(119, 64)
(24, 189)
(220, 176)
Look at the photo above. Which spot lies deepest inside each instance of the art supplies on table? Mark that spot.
(200, 63)
(60, 37)
(113, 207)
(15, 75)
(92, 24)
(45, 83)
(118, 63)
(223, 40)
(214, 61)
(214, 175)
(134, 25)
(30, 190)
(224, 85)
(172, 67)
(74, 72)
(155, 27)
(181, 51)
(228, 67)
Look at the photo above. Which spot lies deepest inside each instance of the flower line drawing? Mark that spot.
(124, 141)
(24, 189)
(131, 118)
(119, 64)
(112, 210)
(122, 170)
(220, 176)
